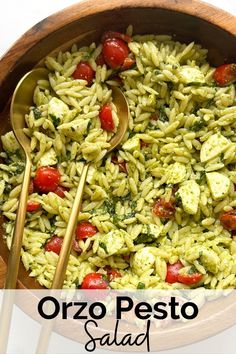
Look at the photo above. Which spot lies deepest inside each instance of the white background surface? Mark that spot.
(17, 16)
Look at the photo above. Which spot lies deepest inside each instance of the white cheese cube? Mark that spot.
(187, 74)
(144, 260)
(9, 142)
(111, 243)
(176, 173)
(57, 108)
(219, 184)
(190, 195)
(132, 144)
(152, 230)
(49, 158)
(213, 146)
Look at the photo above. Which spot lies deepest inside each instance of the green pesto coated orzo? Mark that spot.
(158, 211)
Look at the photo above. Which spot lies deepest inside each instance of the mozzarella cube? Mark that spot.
(190, 195)
(176, 173)
(57, 108)
(213, 146)
(111, 243)
(219, 184)
(143, 260)
(132, 144)
(187, 74)
(49, 158)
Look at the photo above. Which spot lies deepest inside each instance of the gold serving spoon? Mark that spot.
(21, 102)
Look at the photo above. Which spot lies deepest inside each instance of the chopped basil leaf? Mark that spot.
(37, 113)
(103, 246)
(55, 120)
(141, 285)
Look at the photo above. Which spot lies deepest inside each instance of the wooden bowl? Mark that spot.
(85, 22)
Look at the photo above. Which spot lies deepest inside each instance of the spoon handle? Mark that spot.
(60, 272)
(14, 257)
(14, 260)
(70, 230)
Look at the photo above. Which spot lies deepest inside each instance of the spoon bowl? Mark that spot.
(22, 99)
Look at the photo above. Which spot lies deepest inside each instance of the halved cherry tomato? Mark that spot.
(33, 206)
(54, 244)
(128, 63)
(164, 209)
(111, 34)
(225, 74)
(100, 60)
(84, 72)
(85, 229)
(94, 281)
(47, 179)
(105, 116)
(121, 164)
(115, 51)
(117, 78)
(173, 272)
(143, 144)
(155, 116)
(190, 279)
(112, 273)
(31, 187)
(60, 191)
(228, 220)
(76, 247)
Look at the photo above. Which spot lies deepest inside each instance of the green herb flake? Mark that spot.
(202, 177)
(178, 200)
(103, 246)
(141, 285)
(192, 270)
(37, 113)
(109, 207)
(55, 120)
(144, 238)
(162, 115)
(198, 125)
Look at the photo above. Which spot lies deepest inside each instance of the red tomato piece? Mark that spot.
(112, 34)
(164, 209)
(33, 206)
(105, 116)
(94, 281)
(85, 229)
(225, 74)
(115, 51)
(112, 273)
(228, 220)
(118, 79)
(173, 272)
(60, 191)
(84, 72)
(155, 116)
(76, 247)
(31, 187)
(121, 164)
(128, 63)
(54, 244)
(47, 179)
(100, 60)
(143, 144)
(190, 279)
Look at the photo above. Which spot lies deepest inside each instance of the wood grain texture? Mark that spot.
(188, 20)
